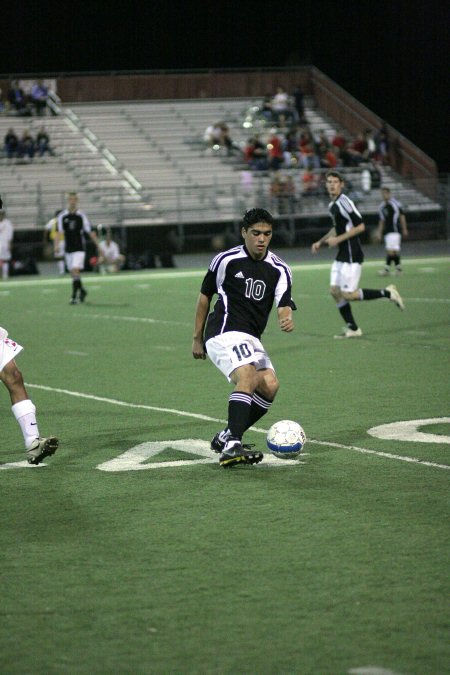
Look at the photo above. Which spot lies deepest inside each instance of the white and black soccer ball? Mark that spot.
(285, 439)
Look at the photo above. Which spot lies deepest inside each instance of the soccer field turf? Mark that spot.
(132, 551)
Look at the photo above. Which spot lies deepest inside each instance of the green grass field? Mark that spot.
(132, 551)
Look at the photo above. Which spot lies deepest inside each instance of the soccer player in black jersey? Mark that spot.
(346, 269)
(75, 226)
(248, 280)
(391, 224)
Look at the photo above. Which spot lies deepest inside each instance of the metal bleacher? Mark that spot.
(144, 163)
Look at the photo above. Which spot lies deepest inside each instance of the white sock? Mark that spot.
(5, 270)
(25, 414)
(61, 267)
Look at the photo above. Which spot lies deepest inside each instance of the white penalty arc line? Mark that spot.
(206, 418)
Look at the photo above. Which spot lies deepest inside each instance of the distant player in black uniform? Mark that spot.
(75, 226)
(248, 279)
(346, 269)
(391, 224)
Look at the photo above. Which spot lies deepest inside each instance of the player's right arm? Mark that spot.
(201, 314)
(317, 244)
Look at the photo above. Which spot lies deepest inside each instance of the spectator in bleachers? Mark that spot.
(280, 105)
(43, 142)
(321, 142)
(307, 157)
(39, 95)
(266, 108)
(213, 135)
(11, 143)
(26, 145)
(299, 104)
(227, 142)
(381, 139)
(359, 149)
(255, 154)
(329, 158)
(17, 99)
(339, 141)
(274, 152)
(282, 193)
(291, 148)
(311, 183)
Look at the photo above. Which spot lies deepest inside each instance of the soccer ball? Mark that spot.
(285, 439)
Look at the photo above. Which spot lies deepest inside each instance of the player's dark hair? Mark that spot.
(253, 216)
(335, 174)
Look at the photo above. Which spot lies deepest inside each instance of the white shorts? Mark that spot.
(392, 241)
(8, 349)
(345, 275)
(231, 350)
(75, 261)
(5, 252)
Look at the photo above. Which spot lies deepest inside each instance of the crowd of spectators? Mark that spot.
(285, 141)
(29, 101)
(25, 147)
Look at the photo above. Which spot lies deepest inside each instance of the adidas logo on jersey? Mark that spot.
(239, 275)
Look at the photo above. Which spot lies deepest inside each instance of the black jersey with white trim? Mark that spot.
(247, 289)
(345, 216)
(74, 224)
(390, 213)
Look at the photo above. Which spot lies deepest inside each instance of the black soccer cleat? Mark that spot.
(42, 448)
(239, 454)
(217, 444)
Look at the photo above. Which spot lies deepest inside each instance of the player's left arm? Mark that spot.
(403, 225)
(285, 319)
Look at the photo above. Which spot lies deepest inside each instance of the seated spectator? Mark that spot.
(266, 108)
(26, 145)
(282, 193)
(43, 142)
(110, 258)
(299, 104)
(339, 141)
(321, 142)
(329, 158)
(358, 150)
(213, 135)
(18, 100)
(381, 139)
(280, 104)
(255, 154)
(307, 156)
(226, 141)
(39, 95)
(274, 152)
(11, 143)
(291, 148)
(311, 183)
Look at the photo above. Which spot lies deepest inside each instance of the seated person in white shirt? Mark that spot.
(110, 258)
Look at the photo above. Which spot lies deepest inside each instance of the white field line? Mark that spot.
(118, 317)
(184, 274)
(206, 418)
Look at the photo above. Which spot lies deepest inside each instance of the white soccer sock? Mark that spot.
(25, 414)
(5, 270)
